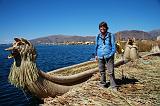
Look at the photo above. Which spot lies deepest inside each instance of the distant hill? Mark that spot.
(139, 35)
(124, 35)
(62, 38)
(155, 33)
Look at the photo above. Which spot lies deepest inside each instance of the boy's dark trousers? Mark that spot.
(109, 63)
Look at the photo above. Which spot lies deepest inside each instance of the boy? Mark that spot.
(105, 50)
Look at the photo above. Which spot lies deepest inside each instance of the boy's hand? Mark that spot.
(96, 58)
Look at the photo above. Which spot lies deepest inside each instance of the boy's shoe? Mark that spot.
(107, 82)
(104, 84)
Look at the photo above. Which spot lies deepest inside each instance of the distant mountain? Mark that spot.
(62, 38)
(124, 35)
(139, 35)
(155, 33)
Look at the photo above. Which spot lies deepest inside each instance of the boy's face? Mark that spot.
(103, 29)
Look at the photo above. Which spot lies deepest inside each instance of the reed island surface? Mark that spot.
(139, 85)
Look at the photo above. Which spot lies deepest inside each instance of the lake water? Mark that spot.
(49, 58)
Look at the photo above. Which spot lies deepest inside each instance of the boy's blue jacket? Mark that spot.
(105, 47)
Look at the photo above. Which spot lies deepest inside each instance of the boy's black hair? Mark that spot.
(104, 24)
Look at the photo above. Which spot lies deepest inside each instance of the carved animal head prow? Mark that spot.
(23, 48)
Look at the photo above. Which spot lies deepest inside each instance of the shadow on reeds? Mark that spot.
(126, 80)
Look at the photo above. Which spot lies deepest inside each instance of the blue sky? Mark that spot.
(38, 18)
